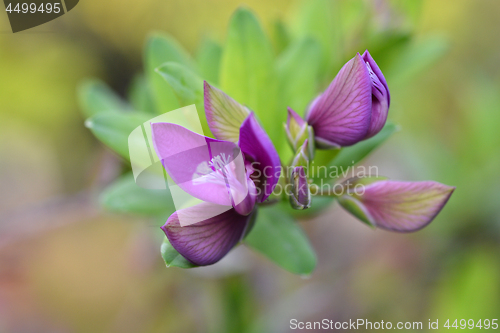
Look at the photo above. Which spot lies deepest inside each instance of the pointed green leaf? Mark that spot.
(208, 59)
(140, 94)
(125, 196)
(113, 128)
(172, 258)
(159, 50)
(95, 96)
(278, 237)
(298, 70)
(187, 87)
(352, 155)
(281, 36)
(317, 18)
(415, 58)
(247, 71)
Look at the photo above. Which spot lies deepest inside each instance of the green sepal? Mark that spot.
(173, 258)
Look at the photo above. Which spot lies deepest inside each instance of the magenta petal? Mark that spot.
(208, 169)
(401, 206)
(341, 115)
(380, 96)
(208, 241)
(260, 152)
(367, 58)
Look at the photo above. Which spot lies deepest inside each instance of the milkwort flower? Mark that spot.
(229, 174)
(353, 108)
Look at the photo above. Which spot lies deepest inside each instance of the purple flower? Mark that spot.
(229, 178)
(353, 108)
(395, 205)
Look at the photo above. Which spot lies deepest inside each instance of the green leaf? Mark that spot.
(298, 70)
(384, 46)
(247, 73)
(140, 94)
(415, 58)
(172, 258)
(208, 59)
(278, 237)
(347, 157)
(187, 87)
(159, 50)
(350, 156)
(125, 196)
(95, 96)
(281, 36)
(316, 18)
(113, 128)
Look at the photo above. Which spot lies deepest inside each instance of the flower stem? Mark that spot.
(330, 192)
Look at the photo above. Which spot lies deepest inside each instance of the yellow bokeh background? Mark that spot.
(68, 266)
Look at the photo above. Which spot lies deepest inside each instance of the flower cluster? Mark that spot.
(235, 172)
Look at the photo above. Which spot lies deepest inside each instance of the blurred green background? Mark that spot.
(68, 266)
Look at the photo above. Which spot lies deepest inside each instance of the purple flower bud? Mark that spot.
(297, 131)
(353, 108)
(303, 155)
(300, 196)
(395, 205)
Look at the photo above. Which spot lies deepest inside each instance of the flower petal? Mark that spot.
(376, 70)
(259, 150)
(341, 115)
(224, 114)
(396, 205)
(208, 241)
(380, 95)
(208, 169)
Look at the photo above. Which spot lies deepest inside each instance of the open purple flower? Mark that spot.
(229, 177)
(353, 108)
